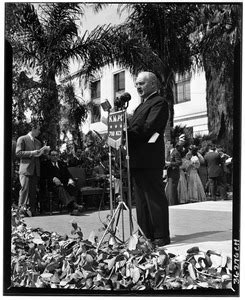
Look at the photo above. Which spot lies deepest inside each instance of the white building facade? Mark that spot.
(190, 108)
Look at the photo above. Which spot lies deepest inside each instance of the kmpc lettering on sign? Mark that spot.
(115, 128)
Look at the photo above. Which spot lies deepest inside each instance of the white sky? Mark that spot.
(106, 16)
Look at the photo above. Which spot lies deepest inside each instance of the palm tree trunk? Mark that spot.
(237, 97)
(51, 111)
(219, 105)
(79, 141)
(167, 93)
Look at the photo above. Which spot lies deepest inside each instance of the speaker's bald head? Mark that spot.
(146, 84)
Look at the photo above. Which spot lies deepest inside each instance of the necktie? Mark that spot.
(33, 141)
(56, 165)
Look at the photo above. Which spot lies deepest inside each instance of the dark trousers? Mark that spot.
(151, 203)
(172, 191)
(173, 174)
(28, 191)
(214, 183)
(65, 194)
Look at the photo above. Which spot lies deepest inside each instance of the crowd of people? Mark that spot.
(45, 173)
(197, 174)
(192, 175)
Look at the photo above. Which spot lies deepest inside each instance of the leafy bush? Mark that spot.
(43, 259)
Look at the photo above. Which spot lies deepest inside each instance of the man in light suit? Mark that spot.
(28, 150)
(146, 151)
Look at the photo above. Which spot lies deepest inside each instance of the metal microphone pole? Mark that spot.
(110, 179)
(121, 187)
(128, 175)
(107, 107)
(110, 174)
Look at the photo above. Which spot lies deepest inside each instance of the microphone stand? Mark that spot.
(121, 205)
(110, 180)
(107, 107)
(128, 175)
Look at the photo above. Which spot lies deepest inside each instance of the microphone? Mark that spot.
(122, 101)
(125, 97)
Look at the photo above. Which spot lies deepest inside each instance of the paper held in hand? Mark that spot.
(153, 137)
(42, 150)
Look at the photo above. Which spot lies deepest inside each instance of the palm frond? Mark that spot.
(97, 7)
(95, 48)
(30, 29)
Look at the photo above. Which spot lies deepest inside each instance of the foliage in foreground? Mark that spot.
(42, 259)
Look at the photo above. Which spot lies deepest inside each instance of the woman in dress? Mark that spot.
(203, 170)
(195, 188)
(182, 185)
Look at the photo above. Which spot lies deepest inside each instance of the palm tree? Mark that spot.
(218, 37)
(41, 44)
(157, 37)
(165, 27)
(46, 39)
(188, 35)
(75, 112)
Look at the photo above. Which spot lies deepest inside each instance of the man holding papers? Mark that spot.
(146, 151)
(28, 150)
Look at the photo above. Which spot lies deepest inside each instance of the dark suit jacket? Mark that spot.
(28, 163)
(213, 160)
(175, 162)
(148, 118)
(61, 173)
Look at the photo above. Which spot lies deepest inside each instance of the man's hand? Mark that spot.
(45, 149)
(37, 153)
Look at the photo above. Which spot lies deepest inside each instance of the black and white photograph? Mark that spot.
(122, 148)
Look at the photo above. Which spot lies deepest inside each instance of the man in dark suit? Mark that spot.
(61, 183)
(146, 151)
(215, 172)
(29, 149)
